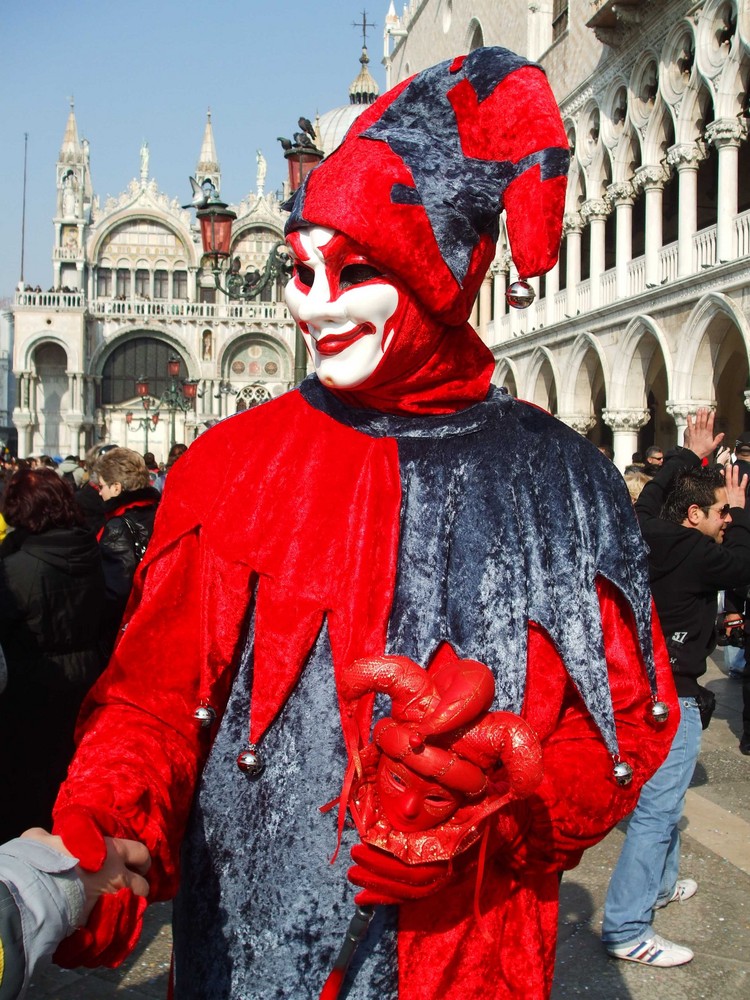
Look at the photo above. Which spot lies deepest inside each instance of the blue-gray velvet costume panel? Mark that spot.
(261, 912)
(507, 516)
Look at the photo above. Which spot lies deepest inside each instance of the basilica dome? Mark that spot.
(333, 125)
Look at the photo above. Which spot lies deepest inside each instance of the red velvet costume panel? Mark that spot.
(309, 520)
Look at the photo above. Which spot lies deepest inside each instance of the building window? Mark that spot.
(123, 283)
(559, 18)
(179, 285)
(142, 283)
(161, 285)
(103, 282)
(140, 356)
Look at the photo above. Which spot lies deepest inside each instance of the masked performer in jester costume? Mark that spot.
(390, 653)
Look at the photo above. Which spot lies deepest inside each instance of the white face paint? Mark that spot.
(342, 304)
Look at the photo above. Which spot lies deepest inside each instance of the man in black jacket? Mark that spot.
(698, 532)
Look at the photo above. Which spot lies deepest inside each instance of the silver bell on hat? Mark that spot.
(520, 295)
(623, 773)
(659, 711)
(204, 716)
(250, 762)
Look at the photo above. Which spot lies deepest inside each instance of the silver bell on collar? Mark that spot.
(623, 773)
(520, 295)
(204, 716)
(250, 762)
(659, 711)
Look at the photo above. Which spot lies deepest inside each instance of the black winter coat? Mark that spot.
(122, 542)
(51, 604)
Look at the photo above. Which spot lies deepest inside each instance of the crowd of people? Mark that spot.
(73, 534)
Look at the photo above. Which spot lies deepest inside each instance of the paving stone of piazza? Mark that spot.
(715, 923)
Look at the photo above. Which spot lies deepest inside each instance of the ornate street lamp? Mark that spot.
(179, 395)
(146, 422)
(216, 219)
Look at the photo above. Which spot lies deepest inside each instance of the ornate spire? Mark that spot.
(363, 90)
(70, 151)
(208, 162)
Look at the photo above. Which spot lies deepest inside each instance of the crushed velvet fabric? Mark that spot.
(353, 533)
(423, 174)
(460, 475)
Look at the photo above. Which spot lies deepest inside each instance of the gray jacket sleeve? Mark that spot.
(41, 902)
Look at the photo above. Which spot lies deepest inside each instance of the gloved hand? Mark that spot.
(110, 934)
(386, 879)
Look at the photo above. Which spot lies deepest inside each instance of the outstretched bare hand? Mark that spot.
(125, 866)
(699, 435)
(736, 487)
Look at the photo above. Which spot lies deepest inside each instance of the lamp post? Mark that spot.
(216, 218)
(179, 395)
(302, 156)
(145, 422)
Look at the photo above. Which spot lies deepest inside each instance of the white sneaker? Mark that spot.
(655, 951)
(685, 888)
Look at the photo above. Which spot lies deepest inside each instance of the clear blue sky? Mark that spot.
(148, 71)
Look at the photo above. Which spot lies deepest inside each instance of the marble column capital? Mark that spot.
(626, 419)
(621, 193)
(726, 132)
(580, 422)
(680, 410)
(686, 155)
(572, 223)
(651, 178)
(595, 208)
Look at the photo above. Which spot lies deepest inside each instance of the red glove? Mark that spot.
(386, 879)
(109, 936)
(115, 922)
(82, 835)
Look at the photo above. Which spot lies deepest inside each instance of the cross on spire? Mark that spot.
(364, 25)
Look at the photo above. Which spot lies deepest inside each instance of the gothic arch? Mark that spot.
(38, 340)
(626, 156)
(104, 351)
(696, 110)
(254, 337)
(474, 35)
(506, 373)
(586, 367)
(542, 380)
(704, 350)
(644, 349)
(128, 216)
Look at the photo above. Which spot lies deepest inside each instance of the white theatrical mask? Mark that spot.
(342, 304)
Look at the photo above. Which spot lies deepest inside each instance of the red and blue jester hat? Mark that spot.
(423, 174)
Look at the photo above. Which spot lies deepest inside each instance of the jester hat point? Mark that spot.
(423, 174)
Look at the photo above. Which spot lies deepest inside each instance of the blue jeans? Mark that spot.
(646, 872)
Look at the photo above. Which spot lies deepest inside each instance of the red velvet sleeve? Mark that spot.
(140, 751)
(578, 801)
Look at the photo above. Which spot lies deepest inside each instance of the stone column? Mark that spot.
(686, 158)
(580, 422)
(679, 410)
(622, 196)
(572, 227)
(726, 135)
(595, 212)
(499, 287)
(485, 295)
(551, 288)
(625, 425)
(652, 180)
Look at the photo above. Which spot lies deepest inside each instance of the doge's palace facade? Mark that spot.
(647, 314)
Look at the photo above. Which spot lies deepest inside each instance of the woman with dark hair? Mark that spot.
(130, 504)
(51, 602)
